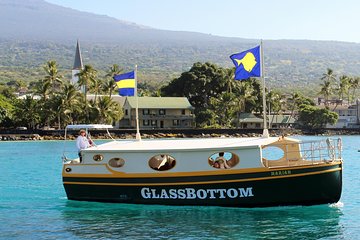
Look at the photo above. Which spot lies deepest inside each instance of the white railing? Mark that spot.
(306, 153)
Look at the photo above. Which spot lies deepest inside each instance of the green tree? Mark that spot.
(354, 84)
(224, 109)
(109, 84)
(326, 90)
(26, 112)
(66, 103)
(86, 77)
(53, 78)
(343, 86)
(311, 117)
(201, 83)
(107, 111)
(294, 101)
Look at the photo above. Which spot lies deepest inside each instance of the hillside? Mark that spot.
(161, 55)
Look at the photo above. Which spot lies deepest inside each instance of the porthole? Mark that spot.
(162, 162)
(67, 169)
(223, 160)
(272, 153)
(98, 158)
(116, 162)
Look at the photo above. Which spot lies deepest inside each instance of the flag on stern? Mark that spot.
(126, 83)
(247, 64)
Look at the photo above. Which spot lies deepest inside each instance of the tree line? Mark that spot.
(217, 98)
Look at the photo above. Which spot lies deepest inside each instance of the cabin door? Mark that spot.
(161, 124)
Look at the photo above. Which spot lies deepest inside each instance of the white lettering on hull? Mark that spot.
(191, 193)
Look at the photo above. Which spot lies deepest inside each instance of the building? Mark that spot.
(348, 116)
(158, 112)
(78, 66)
(281, 121)
(249, 120)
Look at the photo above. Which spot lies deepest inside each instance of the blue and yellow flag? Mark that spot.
(126, 83)
(247, 64)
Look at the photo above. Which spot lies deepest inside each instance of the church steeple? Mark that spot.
(78, 60)
(78, 65)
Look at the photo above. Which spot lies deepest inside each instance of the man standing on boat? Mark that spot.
(82, 142)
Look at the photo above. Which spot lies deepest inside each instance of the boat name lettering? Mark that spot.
(281, 173)
(191, 193)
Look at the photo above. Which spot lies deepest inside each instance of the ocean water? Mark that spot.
(33, 205)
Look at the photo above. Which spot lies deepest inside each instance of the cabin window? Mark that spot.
(116, 162)
(146, 111)
(98, 158)
(126, 112)
(153, 122)
(146, 122)
(272, 153)
(162, 111)
(183, 112)
(162, 162)
(223, 160)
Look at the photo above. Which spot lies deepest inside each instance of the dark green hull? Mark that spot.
(315, 184)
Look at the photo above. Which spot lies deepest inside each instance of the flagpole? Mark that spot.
(138, 136)
(265, 130)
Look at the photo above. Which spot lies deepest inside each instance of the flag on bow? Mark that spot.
(126, 83)
(247, 64)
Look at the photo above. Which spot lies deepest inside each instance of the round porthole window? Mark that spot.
(116, 162)
(223, 160)
(98, 158)
(162, 162)
(272, 153)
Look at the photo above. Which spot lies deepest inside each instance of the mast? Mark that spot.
(265, 130)
(138, 136)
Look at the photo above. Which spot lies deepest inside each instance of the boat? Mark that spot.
(230, 172)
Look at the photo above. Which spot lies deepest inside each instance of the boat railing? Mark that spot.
(307, 153)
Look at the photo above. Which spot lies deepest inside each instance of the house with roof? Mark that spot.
(249, 120)
(348, 116)
(281, 121)
(158, 112)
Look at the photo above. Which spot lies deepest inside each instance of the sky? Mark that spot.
(336, 20)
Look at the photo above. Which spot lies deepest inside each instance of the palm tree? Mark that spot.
(53, 78)
(274, 100)
(343, 86)
(66, 103)
(96, 87)
(107, 110)
(354, 84)
(329, 76)
(110, 85)
(229, 78)
(42, 88)
(86, 77)
(326, 91)
(245, 99)
(326, 88)
(26, 112)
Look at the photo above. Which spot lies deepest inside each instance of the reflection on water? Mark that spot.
(101, 220)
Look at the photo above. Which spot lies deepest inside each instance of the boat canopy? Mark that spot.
(194, 144)
(89, 126)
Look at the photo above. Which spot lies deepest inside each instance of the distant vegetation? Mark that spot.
(288, 65)
(218, 99)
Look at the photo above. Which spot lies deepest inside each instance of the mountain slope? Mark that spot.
(34, 31)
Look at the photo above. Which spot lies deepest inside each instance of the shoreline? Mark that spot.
(170, 133)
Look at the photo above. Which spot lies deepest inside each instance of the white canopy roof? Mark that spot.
(184, 144)
(88, 126)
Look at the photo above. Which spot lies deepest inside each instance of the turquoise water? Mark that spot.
(33, 205)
